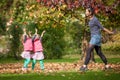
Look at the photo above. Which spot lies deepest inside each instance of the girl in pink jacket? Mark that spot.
(38, 50)
(28, 48)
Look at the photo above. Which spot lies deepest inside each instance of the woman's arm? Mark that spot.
(108, 31)
(103, 28)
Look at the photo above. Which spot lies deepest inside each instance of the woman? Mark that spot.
(95, 41)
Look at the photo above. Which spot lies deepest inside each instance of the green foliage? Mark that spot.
(53, 42)
(5, 5)
(15, 33)
(73, 37)
(64, 34)
(2, 24)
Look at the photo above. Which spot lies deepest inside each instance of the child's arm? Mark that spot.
(36, 31)
(33, 38)
(24, 32)
(24, 35)
(34, 35)
(42, 33)
(24, 38)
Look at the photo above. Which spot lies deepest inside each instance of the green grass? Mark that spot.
(110, 60)
(11, 60)
(70, 60)
(62, 60)
(63, 76)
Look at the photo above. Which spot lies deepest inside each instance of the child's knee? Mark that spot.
(34, 61)
(28, 60)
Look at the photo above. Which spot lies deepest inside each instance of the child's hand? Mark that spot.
(29, 33)
(24, 30)
(43, 31)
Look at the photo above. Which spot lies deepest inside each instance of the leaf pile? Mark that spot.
(55, 67)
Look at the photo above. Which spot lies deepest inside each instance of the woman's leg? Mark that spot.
(42, 64)
(92, 56)
(99, 52)
(33, 63)
(88, 54)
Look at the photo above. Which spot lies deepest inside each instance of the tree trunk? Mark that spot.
(15, 56)
(84, 48)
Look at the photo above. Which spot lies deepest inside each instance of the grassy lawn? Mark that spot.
(113, 57)
(11, 60)
(63, 76)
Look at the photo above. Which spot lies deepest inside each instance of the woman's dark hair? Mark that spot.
(90, 9)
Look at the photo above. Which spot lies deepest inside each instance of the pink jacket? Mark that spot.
(28, 46)
(37, 45)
